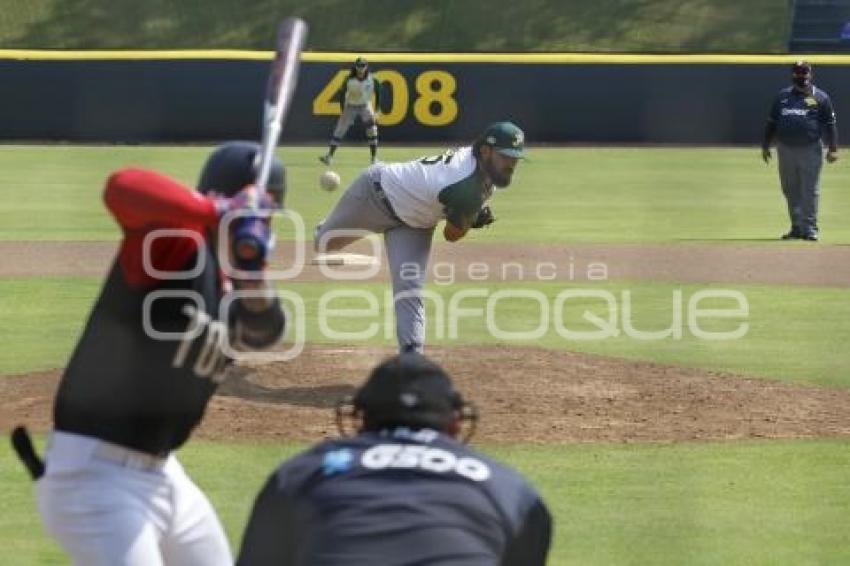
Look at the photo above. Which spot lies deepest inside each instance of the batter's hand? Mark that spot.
(246, 198)
(765, 154)
(832, 156)
(262, 295)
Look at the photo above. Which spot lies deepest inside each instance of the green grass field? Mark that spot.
(747, 503)
(799, 342)
(681, 195)
(759, 26)
(743, 502)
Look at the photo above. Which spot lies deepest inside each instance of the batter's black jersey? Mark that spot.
(153, 349)
(802, 118)
(392, 498)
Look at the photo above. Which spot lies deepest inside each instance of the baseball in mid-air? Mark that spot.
(329, 180)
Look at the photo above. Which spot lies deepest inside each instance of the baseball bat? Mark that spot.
(22, 443)
(252, 236)
(291, 36)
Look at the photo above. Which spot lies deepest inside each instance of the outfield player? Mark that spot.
(356, 94)
(800, 118)
(113, 493)
(401, 491)
(406, 201)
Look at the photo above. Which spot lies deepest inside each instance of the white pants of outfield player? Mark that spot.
(352, 111)
(107, 505)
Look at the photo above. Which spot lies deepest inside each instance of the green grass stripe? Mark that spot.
(794, 334)
(747, 503)
(42, 321)
(619, 195)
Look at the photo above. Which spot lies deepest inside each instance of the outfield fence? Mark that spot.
(186, 96)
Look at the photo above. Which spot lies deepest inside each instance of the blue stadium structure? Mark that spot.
(820, 26)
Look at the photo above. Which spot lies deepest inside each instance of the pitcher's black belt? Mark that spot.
(382, 196)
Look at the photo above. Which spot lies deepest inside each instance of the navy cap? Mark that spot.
(506, 138)
(408, 390)
(232, 166)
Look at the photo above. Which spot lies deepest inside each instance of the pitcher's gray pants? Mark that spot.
(799, 174)
(408, 250)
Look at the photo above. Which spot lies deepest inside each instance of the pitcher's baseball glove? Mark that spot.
(483, 218)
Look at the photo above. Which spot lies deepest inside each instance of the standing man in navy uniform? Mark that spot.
(149, 359)
(403, 490)
(801, 119)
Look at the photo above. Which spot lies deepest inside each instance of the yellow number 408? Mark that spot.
(434, 104)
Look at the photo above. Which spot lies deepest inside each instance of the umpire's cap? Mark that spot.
(408, 390)
(233, 165)
(506, 138)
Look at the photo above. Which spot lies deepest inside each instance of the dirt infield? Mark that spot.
(803, 264)
(524, 394)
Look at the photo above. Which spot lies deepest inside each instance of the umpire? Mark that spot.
(800, 117)
(403, 490)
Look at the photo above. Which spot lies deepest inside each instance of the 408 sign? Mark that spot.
(432, 100)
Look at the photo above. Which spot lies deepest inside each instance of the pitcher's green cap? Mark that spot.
(506, 138)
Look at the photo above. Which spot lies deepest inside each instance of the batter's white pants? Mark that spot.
(108, 505)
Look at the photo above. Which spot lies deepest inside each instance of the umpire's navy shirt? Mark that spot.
(396, 497)
(801, 117)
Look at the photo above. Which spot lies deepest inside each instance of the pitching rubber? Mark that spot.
(344, 259)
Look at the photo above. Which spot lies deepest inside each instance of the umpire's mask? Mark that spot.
(409, 390)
